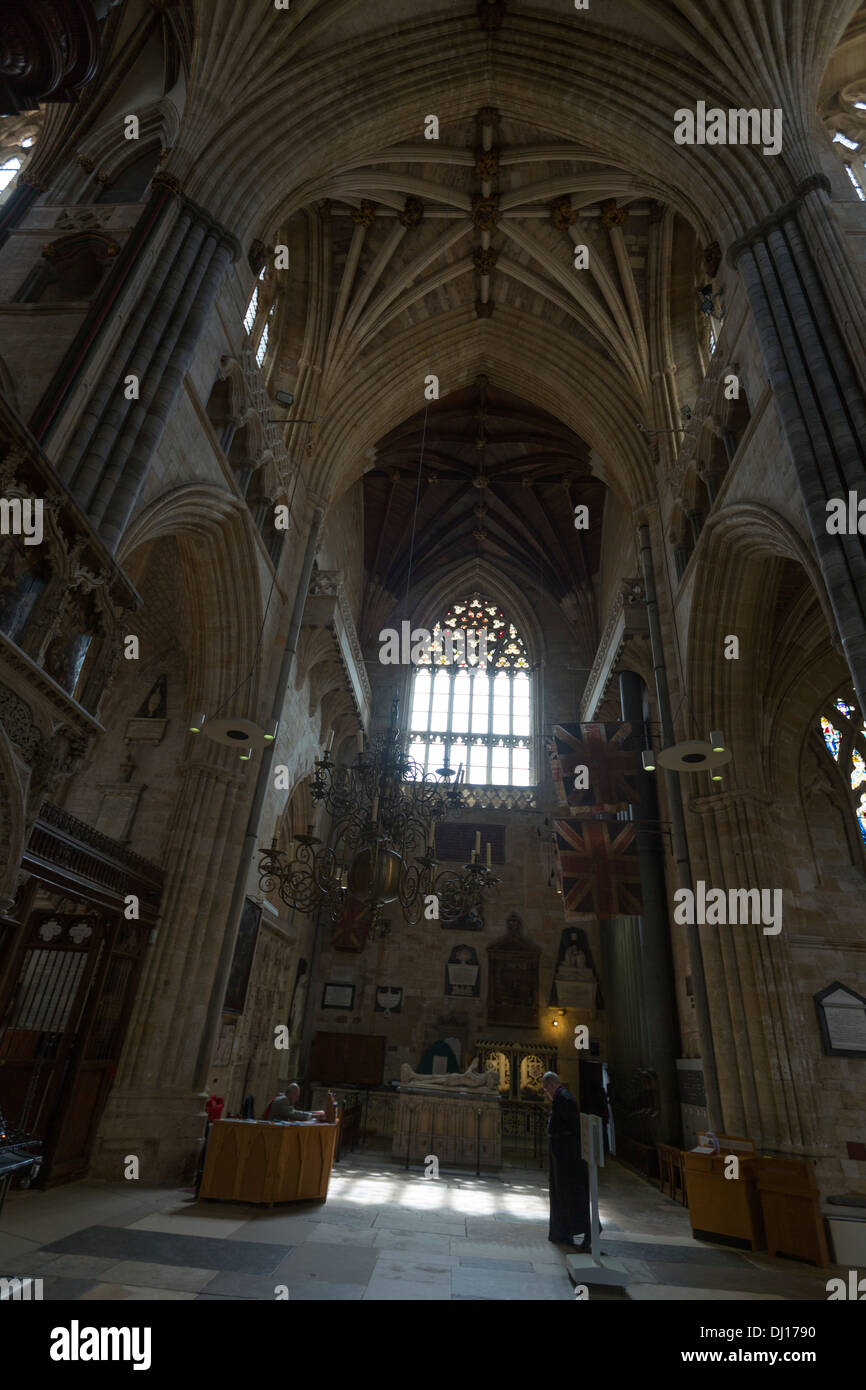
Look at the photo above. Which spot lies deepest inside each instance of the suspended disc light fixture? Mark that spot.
(691, 755)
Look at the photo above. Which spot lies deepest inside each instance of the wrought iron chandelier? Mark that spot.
(384, 810)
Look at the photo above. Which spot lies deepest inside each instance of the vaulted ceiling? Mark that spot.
(493, 249)
(488, 215)
(481, 473)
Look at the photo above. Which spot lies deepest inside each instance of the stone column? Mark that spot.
(153, 1109)
(765, 1073)
(107, 459)
(658, 1001)
(193, 310)
(819, 391)
(107, 406)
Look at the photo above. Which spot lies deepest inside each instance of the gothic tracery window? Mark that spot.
(472, 697)
(253, 306)
(844, 734)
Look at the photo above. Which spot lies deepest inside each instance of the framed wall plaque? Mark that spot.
(338, 996)
(842, 1020)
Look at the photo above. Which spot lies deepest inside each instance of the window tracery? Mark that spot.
(472, 697)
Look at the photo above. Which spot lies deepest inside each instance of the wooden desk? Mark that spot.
(720, 1206)
(792, 1209)
(252, 1161)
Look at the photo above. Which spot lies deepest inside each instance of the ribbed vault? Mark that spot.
(607, 86)
(483, 475)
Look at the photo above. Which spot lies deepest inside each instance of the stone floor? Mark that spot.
(383, 1234)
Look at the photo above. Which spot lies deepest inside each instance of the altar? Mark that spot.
(455, 1117)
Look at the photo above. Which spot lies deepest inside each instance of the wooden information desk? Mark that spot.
(252, 1161)
(720, 1206)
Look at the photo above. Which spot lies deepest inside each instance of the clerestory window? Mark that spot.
(472, 697)
(253, 306)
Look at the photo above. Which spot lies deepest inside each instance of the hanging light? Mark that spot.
(717, 739)
(648, 758)
(693, 755)
(384, 810)
(196, 724)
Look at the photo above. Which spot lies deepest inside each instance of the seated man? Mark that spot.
(282, 1107)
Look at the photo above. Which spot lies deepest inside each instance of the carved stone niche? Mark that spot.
(512, 988)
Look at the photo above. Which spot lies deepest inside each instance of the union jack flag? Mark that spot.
(598, 868)
(611, 768)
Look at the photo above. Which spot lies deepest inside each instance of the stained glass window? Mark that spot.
(832, 737)
(472, 697)
(844, 734)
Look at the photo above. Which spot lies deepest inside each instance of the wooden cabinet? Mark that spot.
(252, 1161)
(720, 1206)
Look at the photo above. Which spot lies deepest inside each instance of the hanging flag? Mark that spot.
(611, 769)
(353, 926)
(598, 868)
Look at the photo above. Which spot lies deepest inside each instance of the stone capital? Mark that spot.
(776, 219)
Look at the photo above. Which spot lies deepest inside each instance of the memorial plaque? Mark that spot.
(690, 1079)
(842, 1020)
(338, 996)
(463, 973)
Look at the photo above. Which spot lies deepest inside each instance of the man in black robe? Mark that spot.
(569, 1174)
